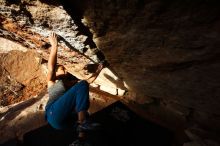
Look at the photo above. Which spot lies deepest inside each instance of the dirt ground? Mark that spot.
(21, 76)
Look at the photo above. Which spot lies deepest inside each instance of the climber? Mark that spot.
(68, 96)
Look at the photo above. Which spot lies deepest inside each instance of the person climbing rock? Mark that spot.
(68, 96)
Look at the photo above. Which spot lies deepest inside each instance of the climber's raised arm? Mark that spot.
(92, 78)
(52, 59)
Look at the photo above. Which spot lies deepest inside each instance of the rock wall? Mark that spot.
(166, 51)
(24, 50)
(163, 53)
(22, 75)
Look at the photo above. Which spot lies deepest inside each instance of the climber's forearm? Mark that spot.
(92, 78)
(52, 58)
(53, 52)
(52, 61)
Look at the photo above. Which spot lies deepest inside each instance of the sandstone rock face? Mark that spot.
(164, 50)
(20, 118)
(161, 54)
(30, 23)
(24, 50)
(21, 77)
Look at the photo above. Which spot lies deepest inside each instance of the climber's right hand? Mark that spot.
(53, 39)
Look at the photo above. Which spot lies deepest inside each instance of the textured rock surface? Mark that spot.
(21, 77)
(20, 118)
(165, 50)
(164, 53)
(30, 22)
